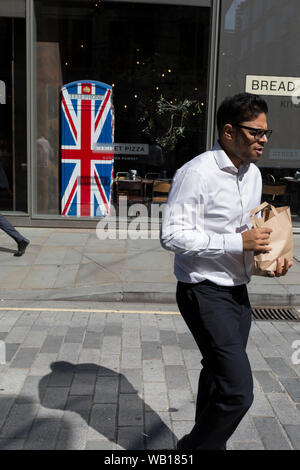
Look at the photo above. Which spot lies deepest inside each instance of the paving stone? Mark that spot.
(192, 359)
(103, 420)
(11, 444)
(113, 329)
(151, 350)
(149, 333)
(131, 358)
(17, 334)
(52, 344)
(131, 381)
(109, 364)
(6, 403)
(267, 382)
(83, 382)
(158, 431)
(24, 358)
(27, 318)
(193, 376)
(257, 361)
(35, 339)
(260, 405)
(156, 396)
(34, 389)
(92, 340)
(43, 434)
(69, 352)
(71, 438)
(153, 371)
(10, 350)
(187, 341)
(131, 339)
(13, 381)
(284, 408)
(80, 319)
(292, 386)
(172, 355)
(253, 445)
(293, 432)
(75, 335)
(19, 421)
(182, 406)
(106, 390)
(61, 378)
(100, 445)
(111, 344)
(89, 359)
(245, 431)
(42, 363)
(271, 434)
(130, 410)
(55, 397)
(168, 338)
(176, 377)
(182, 427)
(279, 367)
(131, 438)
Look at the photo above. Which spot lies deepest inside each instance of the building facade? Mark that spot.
(101, 101)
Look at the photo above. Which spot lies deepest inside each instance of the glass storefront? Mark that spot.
(13, 131)
(101, 101)
(258, 54)
(139, 76)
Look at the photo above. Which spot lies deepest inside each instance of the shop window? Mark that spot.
(154, 58)
(13, 130)
(272, 62)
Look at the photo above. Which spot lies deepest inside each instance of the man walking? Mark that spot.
(12, 232)
(207, 225)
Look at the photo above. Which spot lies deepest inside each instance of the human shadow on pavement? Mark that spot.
(109, 404)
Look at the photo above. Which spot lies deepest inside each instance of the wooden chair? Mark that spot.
(160, 191)
(271, 191)
(122, 175)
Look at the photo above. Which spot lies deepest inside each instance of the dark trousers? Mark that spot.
(219, 319)
(10, 230)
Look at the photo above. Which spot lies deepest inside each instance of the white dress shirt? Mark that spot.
(208, 207)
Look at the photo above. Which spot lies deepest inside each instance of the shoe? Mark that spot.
(22, 245)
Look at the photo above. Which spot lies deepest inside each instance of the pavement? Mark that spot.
(73, 264)
(97, 357)
(114, 376)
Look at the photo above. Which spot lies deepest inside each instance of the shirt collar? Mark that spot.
(224, 162)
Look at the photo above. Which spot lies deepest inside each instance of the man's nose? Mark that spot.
(264, 139)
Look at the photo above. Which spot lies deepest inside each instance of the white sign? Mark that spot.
(2, 93)
(86, 97)
(284, 154)
(269, 85)
(124, 149)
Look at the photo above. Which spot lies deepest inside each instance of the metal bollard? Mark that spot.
(2, 353)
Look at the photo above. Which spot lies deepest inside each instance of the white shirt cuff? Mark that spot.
(233, 243)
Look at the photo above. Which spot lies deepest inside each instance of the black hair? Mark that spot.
(238, 108)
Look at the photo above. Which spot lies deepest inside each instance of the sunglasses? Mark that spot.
(257, 133)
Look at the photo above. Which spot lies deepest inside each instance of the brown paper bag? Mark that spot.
(281, 239)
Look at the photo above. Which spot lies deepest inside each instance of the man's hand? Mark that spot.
(281, 270)
(257, 240)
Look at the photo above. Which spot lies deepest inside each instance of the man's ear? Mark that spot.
(228, 132)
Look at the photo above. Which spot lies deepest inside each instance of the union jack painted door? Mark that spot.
(87, 120)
